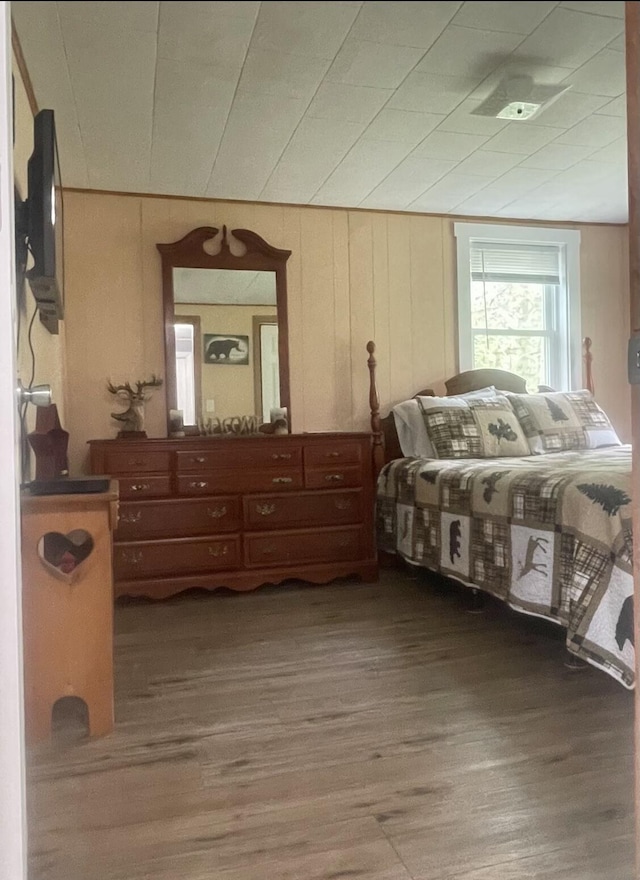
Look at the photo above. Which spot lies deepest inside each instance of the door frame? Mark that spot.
(632, 44)
(12, 754)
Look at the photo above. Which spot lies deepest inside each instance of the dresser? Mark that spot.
(239, 512)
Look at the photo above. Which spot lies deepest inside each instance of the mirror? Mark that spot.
(225, 309)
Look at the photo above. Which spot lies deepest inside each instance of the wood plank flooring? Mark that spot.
(375, 732)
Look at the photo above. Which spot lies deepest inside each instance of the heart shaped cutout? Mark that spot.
(63, 555)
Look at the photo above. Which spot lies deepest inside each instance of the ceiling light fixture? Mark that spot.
(519, 110)
(519, 97)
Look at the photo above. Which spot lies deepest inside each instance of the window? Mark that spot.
(188, 355)
(266, 365)
(519, 302)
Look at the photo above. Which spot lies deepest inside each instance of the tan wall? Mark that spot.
(604, 267)
(49, 349)
(231, 386)
(352, 276)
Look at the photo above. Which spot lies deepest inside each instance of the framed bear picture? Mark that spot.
(226, 348)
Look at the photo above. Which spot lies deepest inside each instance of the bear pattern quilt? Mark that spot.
(551, 535)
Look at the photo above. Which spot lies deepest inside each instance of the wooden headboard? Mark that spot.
(386, 446)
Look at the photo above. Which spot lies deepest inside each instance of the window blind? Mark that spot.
(184, 338)
(519, 263)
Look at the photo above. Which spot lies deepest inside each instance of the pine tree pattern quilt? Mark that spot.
(550, 535)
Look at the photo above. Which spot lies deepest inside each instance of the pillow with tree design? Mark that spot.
(563, 420)
(473, 427)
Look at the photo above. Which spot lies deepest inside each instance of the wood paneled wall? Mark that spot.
(352, 276)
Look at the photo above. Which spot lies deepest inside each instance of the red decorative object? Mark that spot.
(49, 442)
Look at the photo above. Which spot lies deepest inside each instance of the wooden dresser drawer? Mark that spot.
(265, 453)
(338, 453)
(173, 518)
(122, 462)
(326, 545)
(302, 509)
(144, 486)
(332, 478)
(281, 479)
(239, 512)
(180, 556)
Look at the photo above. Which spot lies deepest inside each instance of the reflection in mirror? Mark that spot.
(188, 372)
(266, 367)
(225, 322)
(226, 335)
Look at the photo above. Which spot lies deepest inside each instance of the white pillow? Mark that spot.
(410, 428)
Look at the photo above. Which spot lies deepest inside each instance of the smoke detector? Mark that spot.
(519, 97)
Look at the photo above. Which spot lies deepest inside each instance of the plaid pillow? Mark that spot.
(480, 427)
(564, 420)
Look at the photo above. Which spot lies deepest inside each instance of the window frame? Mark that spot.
(566, 369)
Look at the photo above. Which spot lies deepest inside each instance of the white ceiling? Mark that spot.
(237, 287)
(336, 103)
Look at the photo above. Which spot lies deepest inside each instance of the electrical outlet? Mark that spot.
(211, 405)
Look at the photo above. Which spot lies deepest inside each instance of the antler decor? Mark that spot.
(132, 418)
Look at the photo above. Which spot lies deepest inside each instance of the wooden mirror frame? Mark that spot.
(259, 256)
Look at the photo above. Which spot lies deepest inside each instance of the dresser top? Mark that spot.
(199, 439)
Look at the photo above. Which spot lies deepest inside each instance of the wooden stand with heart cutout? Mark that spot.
(67, 588)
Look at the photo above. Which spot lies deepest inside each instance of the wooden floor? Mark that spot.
(375, 732)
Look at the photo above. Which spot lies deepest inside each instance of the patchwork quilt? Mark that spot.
(550, 535)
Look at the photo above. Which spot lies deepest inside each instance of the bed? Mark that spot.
(547, 531)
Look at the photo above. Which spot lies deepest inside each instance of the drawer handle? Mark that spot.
(333, 454)
(139, 487)
(344, 541)
(282, 480)
(198, 484)
(334, 478)
(136, 462)
(133, 516)
(218, 550)
(216, 512)
(277, 456)
(265, 509)
(342, 503)
(131, 557)
(268, 549)
(199, 459)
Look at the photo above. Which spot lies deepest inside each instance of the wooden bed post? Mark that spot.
(588, 360)
(632, 45)
(374, 406)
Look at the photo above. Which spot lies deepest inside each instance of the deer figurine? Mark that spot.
(132, 418)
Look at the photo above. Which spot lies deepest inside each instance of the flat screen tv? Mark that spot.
(44, 222)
